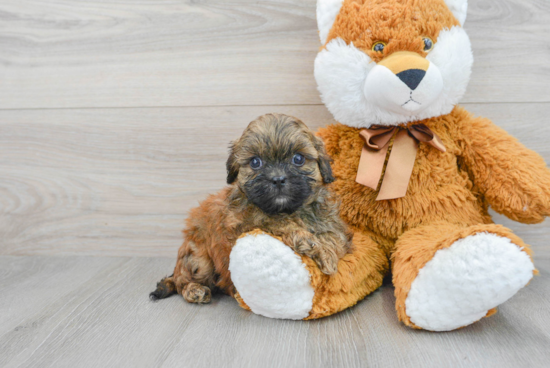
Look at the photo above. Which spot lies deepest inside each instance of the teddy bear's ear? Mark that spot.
(327, 10)
(459, 9)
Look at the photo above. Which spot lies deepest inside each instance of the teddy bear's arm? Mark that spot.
(514, 180)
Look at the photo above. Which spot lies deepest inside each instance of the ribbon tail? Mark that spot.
(426, 135)
(371, 165)
(437, 143)
(399, 168)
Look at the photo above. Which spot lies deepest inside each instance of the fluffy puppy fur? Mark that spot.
(277, 171)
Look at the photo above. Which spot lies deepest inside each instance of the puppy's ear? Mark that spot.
(323, 161)
(232, 165)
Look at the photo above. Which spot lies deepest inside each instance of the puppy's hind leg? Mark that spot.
(165, 288)
(194, 275)
(197, 293)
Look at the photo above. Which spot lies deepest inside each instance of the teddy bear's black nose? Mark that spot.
(411, 77)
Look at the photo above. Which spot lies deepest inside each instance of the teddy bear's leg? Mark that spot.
(270, 278)
(359, 273)
(447, 276)
(273, 281)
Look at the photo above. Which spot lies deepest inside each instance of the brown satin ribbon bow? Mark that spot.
(401, 161)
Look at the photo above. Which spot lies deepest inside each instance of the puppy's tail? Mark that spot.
(165, 288)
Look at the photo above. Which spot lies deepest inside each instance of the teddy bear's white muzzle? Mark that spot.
(406, 93)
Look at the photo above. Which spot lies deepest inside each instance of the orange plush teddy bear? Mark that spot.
(415, 174)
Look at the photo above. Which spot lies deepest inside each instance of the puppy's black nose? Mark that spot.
(411, 77)
(279, 180)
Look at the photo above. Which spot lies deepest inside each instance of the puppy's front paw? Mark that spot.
(197, 293)
(325, 258)
(304, 245)
(327, 261)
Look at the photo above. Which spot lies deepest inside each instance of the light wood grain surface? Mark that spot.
(94, 312)
(115, 118)
(131, 53)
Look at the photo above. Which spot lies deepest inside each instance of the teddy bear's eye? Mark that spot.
(256, 163)
(428, 44)
(378, 46)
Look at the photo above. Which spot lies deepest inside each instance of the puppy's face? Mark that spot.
(278, 163)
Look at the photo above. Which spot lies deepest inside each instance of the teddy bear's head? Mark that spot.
(389, 62)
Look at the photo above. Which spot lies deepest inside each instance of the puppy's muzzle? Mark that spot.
(278, 181)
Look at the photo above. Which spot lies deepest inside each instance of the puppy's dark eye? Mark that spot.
(298, 160)
(256, 163)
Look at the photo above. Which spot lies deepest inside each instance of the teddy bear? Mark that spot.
(415, 173)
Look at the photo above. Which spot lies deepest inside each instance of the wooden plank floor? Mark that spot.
(95, 312)
(115, 117)
(218, 52)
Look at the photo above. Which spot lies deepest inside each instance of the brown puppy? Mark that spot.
(278, 171)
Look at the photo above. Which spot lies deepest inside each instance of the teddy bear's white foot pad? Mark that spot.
(270, 278)
(464, 281)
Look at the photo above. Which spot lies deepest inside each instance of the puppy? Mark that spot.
(277, 171)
